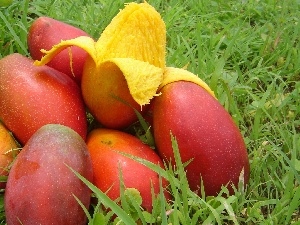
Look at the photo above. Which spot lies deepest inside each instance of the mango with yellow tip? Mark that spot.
(205, 133)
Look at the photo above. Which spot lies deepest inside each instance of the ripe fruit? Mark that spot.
(122, 64)
(41, 188)
(105, 146)
(8, 151)
(205, 133)
(46, 32)
(32, 96)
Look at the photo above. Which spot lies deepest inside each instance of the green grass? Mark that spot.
(249, 54)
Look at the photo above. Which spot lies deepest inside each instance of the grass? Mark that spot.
(249, 54)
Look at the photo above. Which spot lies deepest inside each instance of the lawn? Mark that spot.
(248, 52)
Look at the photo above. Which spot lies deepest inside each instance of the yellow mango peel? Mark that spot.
(137, 34)
(86, 43)
(172, 74)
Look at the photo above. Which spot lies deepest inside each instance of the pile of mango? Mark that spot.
(47, 101)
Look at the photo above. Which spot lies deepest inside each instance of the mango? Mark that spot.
(41, 188)
(106, 147)
(45, 32)
(8, 151)
(32, 96)
(205, 132)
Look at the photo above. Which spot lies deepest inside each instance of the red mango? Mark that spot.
(32, 96)
(205, 132)
(105, 147)
(41, 187)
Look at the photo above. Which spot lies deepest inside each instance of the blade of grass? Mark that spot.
(163, 203)
(83, 207)
(184, 185)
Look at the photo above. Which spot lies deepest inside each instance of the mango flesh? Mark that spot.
(40, 186)
(8, 151)
(205, 133)
(46, 32)
(32, 96)
(104, 146)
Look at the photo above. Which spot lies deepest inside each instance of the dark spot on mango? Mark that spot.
(107, 142)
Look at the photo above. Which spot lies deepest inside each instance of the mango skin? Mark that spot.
(45, 32)
(104, 145)
(40, 186)
(8, 151)
(32, 96)
(205, 132)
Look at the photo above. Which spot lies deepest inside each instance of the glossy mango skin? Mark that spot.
(8, 151)
(104, 145)
(205, 132)
(40, 186)
(32, 96)
(45, 32)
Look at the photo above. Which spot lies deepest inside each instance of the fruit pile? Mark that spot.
(49, 100)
